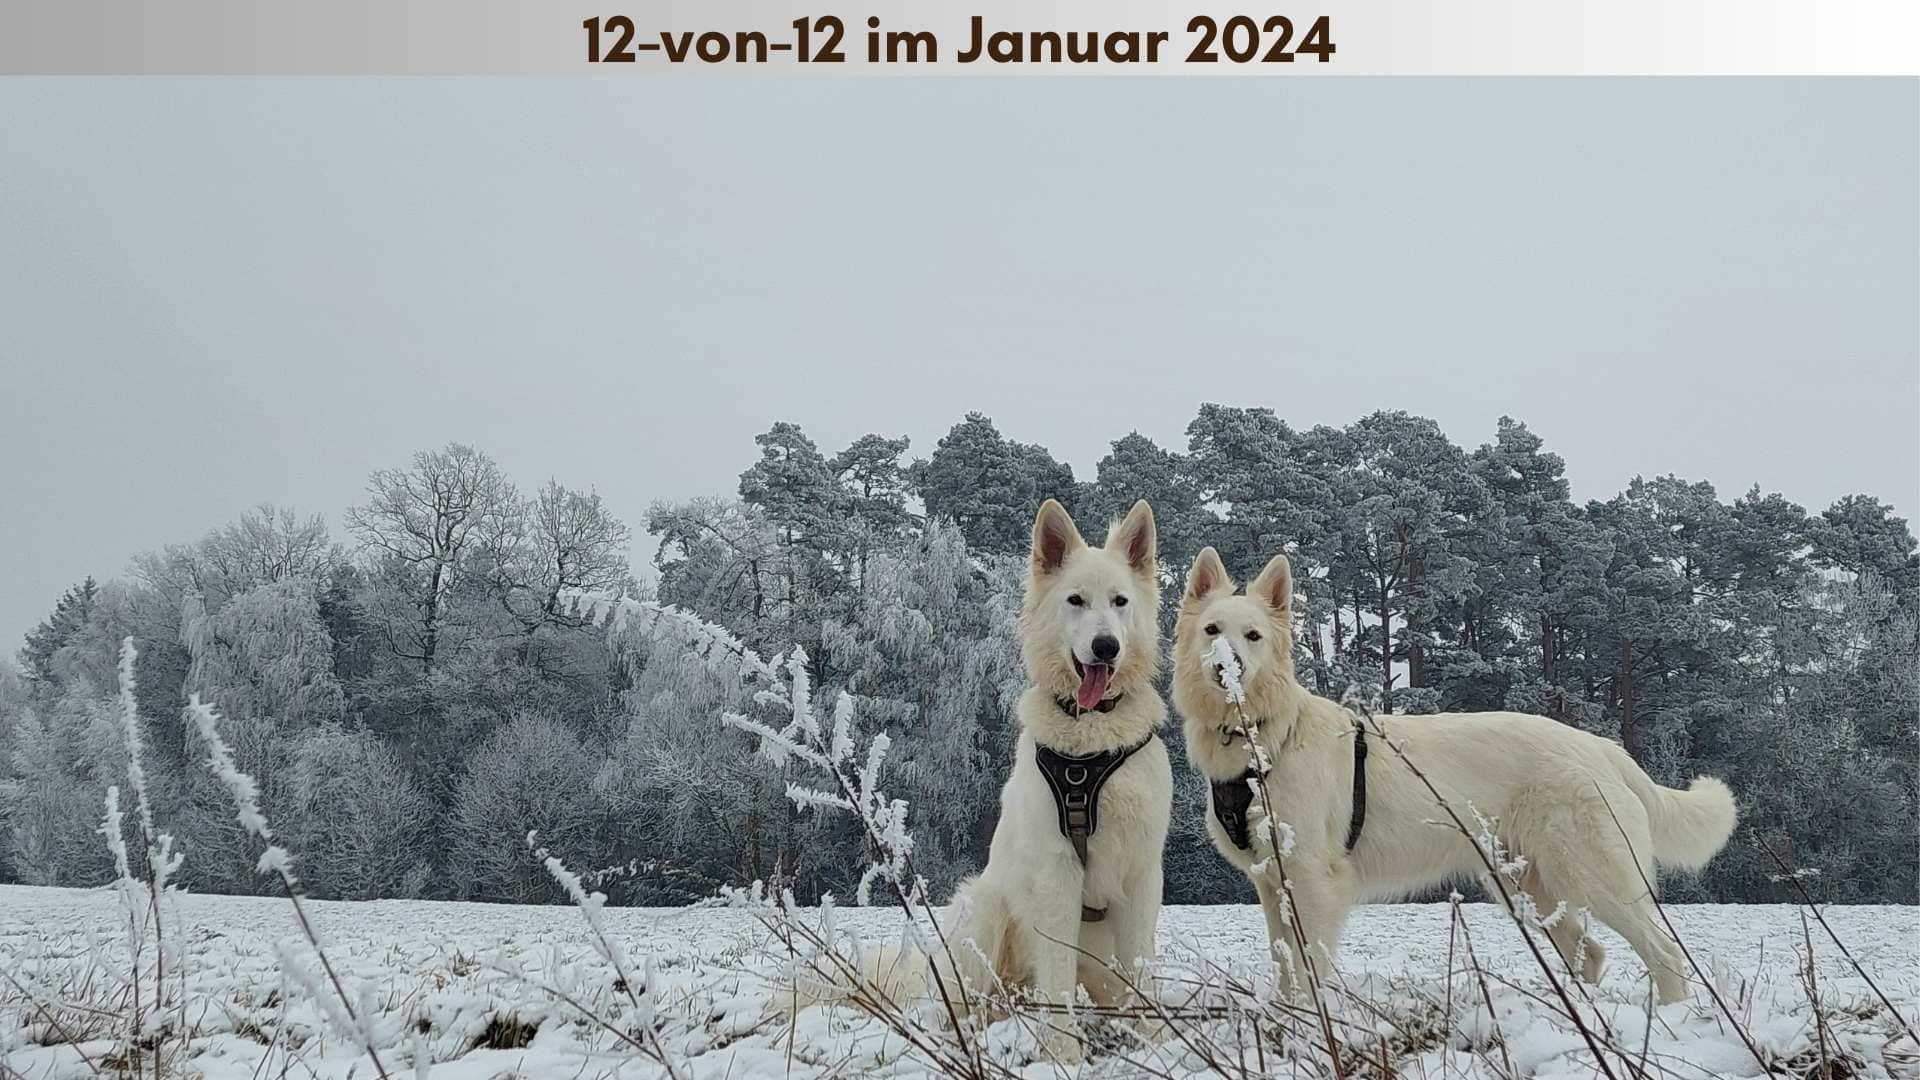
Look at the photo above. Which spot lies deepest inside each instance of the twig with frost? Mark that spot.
(1796, 878)
(884, 820)
(786, 686)
(160, 865)
(112, 829)
(1480, 978)
(276, 862)
(826, 959)
(1279, 847)
(639, 991)
(1653, 894)
(1493, 875)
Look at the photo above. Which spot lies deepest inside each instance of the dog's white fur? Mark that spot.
(1553, 791)
(1019, 926)
(1023, 910)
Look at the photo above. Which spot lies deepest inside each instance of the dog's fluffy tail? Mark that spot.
(1690, 827)
(891, 972)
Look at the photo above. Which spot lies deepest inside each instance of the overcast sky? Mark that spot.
(219, 292)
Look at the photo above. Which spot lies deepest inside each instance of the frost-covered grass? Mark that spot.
(470, 988)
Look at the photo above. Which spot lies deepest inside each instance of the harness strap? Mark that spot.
(1359, 817)
(1076, 780)
(1232, 798)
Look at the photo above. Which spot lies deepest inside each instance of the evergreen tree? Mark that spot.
(874, 488)
(795, 488)
(70, 613)
(1538, 565)
(1137, 469)
(1863, 536)
(988, 486)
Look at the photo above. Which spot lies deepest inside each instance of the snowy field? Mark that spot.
(464, 992)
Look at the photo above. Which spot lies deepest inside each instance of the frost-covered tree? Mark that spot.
(1136, 468)
(931, 658)
(796, 490)
(692, 805)
(1537, 565)
(534, 774)
(874, 489)
(990, 486)
(722, 558)
(265, 660)
(358, 820)
(1862, 535)
(1743, 638)
(1656, 646)
(62, 758)
(416, 528)
(267, 544)
(70, 615)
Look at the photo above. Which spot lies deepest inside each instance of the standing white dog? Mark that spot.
(1055, 904)
(1588, 821)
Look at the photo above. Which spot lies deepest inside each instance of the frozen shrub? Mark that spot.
(532, 774)
(360, 820)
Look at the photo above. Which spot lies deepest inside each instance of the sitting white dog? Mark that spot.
(1051, 910)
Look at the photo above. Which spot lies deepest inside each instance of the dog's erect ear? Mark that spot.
(1134, 539)
(1274, 586)
(1208, 576)
(1054, 537)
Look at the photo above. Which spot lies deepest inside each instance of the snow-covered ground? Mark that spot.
(468, 987)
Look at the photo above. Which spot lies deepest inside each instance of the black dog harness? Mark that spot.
(1232, 798)
(1076, 780)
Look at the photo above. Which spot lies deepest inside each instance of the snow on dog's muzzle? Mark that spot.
(1226, 669)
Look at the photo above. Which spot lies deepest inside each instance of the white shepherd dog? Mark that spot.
(1067, 899)
(1589, 823)
(1040, 915)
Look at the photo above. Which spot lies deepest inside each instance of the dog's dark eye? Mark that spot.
(1253, 635)
(1119, 601)
(1212, 629)
(1075, 600)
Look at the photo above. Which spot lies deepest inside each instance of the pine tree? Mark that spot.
(989, 486)
(1538, 565)
(874, 487)
(70, 614)
(1135, 468)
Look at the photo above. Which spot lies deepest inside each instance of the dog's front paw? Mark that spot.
(1063, 1047)
(1593, 960)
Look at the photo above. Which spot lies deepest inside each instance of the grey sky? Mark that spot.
(218, 292)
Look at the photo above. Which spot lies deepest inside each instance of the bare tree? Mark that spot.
(420, 521)
(561, 541)
(267, 544)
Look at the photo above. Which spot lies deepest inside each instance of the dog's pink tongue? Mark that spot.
(1093, 685)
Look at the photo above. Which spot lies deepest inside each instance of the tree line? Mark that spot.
(418, 692)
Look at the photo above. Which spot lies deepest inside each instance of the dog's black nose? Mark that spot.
(1105, 648)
